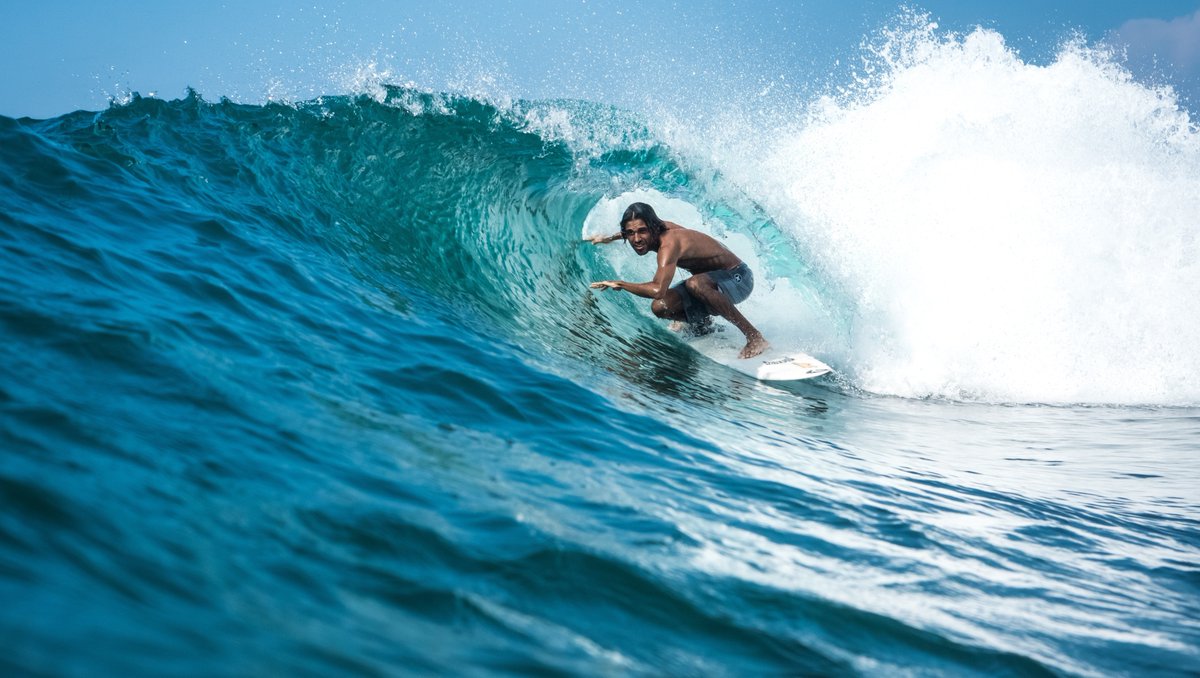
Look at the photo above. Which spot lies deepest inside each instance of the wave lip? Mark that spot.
(1001, 231)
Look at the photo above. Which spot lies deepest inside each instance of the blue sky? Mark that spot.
(62, 56)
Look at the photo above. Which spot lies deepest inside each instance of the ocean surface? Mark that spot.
(319, 388)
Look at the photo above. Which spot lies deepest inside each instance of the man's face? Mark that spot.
(638, 235)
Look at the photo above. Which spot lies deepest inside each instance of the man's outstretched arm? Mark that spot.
(655, 289)
(647, 289)
(602, 239)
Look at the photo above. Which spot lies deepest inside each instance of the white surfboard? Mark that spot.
(773, 365)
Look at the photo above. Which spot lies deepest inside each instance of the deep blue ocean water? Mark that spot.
(320, 389)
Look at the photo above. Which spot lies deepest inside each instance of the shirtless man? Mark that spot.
(719, 278)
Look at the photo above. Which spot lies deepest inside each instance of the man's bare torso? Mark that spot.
(698, 253)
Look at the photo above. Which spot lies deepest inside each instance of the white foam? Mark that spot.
(1003, 231)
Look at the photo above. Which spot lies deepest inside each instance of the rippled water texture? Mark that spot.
(321, 389)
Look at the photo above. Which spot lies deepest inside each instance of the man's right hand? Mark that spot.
(601, 239)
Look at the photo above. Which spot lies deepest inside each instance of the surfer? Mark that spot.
(719, 278)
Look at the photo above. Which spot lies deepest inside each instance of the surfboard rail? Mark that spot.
(791, 367)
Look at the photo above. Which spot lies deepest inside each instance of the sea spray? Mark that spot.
(1001, 231)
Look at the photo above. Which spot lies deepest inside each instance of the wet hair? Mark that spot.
(644, 212)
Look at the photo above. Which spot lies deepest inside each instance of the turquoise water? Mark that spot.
(320, 389)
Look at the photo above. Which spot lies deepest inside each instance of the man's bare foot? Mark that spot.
(676, 325)
(753, 347)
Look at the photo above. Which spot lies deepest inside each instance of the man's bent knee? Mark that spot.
(659, 307)
(699, 284)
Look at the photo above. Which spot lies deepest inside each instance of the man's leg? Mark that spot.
(670, 307)
(673, 307)
(704, 289)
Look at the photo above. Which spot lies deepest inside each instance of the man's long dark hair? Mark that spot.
(640, 210)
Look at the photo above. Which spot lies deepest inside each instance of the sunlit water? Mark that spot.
(321, 388)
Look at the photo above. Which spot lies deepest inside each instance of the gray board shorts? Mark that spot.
(735, 283)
